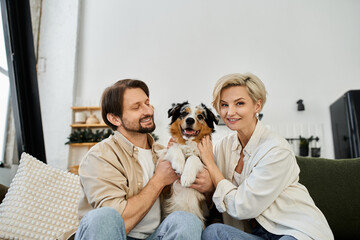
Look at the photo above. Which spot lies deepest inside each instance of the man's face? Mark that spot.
(138, 114)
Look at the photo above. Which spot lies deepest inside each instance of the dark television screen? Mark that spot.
(339, 122)
(345, 121)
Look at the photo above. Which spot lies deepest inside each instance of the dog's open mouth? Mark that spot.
(189, 132)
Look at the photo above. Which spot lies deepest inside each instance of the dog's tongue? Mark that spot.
(189, 131)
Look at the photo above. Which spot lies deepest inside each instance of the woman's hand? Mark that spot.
(206, 151)
(206, 154)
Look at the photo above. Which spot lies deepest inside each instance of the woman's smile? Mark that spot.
(233, 120)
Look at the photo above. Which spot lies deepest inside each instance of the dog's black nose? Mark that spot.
(190, 121)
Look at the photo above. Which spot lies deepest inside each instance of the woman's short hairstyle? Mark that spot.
(113, 97)
(253, 84)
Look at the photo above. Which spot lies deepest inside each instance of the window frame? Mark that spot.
(24, 91)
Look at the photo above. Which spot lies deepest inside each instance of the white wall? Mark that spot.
(308, 49)
(56, 74)
(300, 49)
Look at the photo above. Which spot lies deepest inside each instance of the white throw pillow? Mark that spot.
(41, 203)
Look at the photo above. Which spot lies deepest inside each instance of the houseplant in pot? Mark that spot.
(304, 145)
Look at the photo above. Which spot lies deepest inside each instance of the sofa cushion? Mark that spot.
(41, 202)
(334, 186)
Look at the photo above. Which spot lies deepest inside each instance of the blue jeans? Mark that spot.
(106, 223)
(222, 231)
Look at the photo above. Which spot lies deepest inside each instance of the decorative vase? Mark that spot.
(304, 151)
(92, 119)
(315, 152)
(80, 117)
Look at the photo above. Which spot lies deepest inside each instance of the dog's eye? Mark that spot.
(183, 114)
(200, 117)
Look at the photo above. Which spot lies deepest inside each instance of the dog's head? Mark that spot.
(191, 122)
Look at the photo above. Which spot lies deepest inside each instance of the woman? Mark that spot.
(255, 172)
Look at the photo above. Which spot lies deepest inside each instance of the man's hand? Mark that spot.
(138, 205)
(171, 142)
(164, 173)
(203, 182)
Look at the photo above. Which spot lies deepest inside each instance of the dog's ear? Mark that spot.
(174, 112)
(210, 117)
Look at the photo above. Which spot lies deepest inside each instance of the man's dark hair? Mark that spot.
(113, 97)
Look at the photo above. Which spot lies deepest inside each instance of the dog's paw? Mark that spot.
(187, 179)
(192, 166)
(178, 166)
(177, 159)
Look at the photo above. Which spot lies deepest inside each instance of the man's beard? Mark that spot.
(128, 126)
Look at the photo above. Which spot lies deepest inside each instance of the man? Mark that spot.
(121, 178)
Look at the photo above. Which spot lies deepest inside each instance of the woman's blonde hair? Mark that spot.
(253, 84)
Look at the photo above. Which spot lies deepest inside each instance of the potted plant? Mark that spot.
(86, 135)
(304, 146)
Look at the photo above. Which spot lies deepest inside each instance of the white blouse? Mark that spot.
(269, 188)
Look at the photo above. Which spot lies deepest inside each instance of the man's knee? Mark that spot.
(101, 223)
(182, 218)
(211, 231)
(104, 216)
(181, 225)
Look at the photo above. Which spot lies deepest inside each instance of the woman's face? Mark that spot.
(237, 109)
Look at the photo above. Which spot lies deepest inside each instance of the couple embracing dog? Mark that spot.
(252, 175)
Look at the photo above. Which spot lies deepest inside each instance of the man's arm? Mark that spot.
(139, 205)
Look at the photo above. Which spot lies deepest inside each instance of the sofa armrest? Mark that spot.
(334, 186)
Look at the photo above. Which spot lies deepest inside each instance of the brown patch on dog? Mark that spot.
(167, 191)
(175, 131)
(205, 130)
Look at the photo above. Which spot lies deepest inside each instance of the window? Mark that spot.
(17, 32)
(4, 91)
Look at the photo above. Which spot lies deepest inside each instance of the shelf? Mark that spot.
(86, 144)
(74, 169)
(83, 125)
(85, 108)
(79, 126)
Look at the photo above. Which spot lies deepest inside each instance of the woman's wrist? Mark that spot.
(215, 174)
(211, 167)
